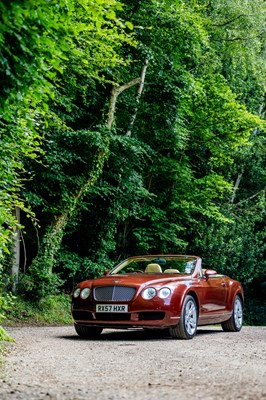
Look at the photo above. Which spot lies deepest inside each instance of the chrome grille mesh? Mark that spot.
(114, 293)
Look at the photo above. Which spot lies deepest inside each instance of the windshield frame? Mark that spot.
(162, 259)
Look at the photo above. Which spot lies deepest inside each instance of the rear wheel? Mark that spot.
(187, 327)
(88, 332)
(234, 324)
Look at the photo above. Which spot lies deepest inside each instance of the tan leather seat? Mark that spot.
(171, 271)
(155, 268)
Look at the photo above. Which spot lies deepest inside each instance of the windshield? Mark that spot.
(157, 264)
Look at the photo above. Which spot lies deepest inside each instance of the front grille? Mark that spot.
(112, 316)
(114, 293)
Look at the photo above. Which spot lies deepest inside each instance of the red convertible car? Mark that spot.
(158, 292)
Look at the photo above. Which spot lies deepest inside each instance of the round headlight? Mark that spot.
(148, 293)
(85, 293)
(76, 293)
(164, 292)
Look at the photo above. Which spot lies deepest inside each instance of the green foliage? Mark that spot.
(38, 41)
(7, 301)
(77, 268)
(4, 336)
(38, 38)
(255, 311)
(71, 159)
(237, 34)
(38, 283)
(50, 310)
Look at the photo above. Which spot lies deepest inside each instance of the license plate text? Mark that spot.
(111, 308)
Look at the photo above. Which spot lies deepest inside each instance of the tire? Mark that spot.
(234, 324)
(88, 332)
(187, 327)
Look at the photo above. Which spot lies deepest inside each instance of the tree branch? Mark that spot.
(231, 20)
(237, 38)
(236, 186)
(114, 94)
(139, 92)
(251, 197)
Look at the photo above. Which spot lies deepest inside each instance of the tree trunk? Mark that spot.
(16, 253)
(236, 186)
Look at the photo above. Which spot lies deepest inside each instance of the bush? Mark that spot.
(50, 310)
(6, 301)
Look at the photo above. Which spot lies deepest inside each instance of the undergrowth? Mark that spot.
(51, 310)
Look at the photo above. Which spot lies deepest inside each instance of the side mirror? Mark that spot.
(210, 272)
(106, 272)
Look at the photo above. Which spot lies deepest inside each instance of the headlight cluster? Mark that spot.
(84, 293)
(150, 292)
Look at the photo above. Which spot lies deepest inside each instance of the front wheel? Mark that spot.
(234, 324)
(187, 327)
(88, 332)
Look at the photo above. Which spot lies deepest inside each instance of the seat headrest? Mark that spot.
(153, 268)
(171, 271)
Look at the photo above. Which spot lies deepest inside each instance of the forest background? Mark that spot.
(129, 129)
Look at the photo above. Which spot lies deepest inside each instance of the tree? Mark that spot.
(37, 43)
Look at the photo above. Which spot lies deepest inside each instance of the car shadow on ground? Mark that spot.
(138, 335)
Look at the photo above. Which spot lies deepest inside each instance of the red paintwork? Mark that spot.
(214, 296)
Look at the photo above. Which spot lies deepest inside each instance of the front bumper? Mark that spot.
(159, 318)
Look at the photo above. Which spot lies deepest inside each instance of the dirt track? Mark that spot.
(53, 363)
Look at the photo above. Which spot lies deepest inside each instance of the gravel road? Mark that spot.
(54, 363)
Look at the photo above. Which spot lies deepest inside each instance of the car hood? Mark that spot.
(136, 280)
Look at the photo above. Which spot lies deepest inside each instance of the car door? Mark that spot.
(214, 293)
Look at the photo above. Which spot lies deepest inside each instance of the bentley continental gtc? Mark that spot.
(170, 292)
